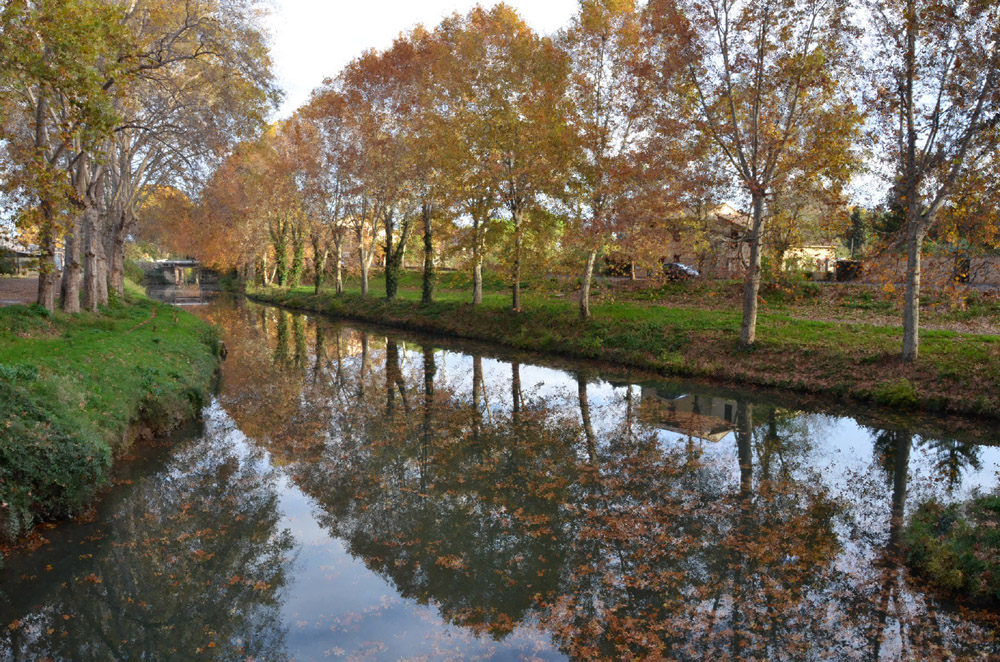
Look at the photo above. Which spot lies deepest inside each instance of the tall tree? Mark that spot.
(609, 89)
(203, 82)
(59, 59)
(766, 79)
(326, 113)
(507, 86)
(377, 98)
(936, 73)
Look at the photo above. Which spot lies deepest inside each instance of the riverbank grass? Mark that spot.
(75, 391)
(956, 373)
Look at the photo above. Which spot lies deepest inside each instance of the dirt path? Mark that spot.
(18, 290)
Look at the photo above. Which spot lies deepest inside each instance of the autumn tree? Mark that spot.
(433, 155)
(609, 89)
(375, 182)
(227, 232)
(111, 97)
(936, 74)
(766, 80)
(323, 122)
(252, 210)
(57, 58)
(204, 82)
(507, 85)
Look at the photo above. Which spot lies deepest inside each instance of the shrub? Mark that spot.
(134, 272)
(47, 468)
(896, 393)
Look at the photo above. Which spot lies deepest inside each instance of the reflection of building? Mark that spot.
(702, 416)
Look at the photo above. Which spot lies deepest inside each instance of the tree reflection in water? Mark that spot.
(622, 536)
(194, 569)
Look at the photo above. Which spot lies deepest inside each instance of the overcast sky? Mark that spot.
(314, 39)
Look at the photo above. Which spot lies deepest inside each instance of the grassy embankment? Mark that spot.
(76, 391)
(837, 355)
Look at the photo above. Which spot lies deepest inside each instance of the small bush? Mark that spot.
(18, 372)
(133, 272)
(896, 393)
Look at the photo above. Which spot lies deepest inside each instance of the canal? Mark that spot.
(358, 493)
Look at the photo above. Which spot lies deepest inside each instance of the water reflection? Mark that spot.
(626, 520)
(449, 504)
(192, 563)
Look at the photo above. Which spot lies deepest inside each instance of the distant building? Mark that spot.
(719, 250)
(818, 259)
(21, 257)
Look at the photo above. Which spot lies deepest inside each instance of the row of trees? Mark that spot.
(631, 116)
(105, 101)
(635, 118)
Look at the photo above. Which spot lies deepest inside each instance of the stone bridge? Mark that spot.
(177, 272)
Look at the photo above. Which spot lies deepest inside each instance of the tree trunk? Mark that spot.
(588, 428)
(477, 281)
(588, 276)
(320, 254)
(477, 266)
(392, 374)
(338, 262)
(103, 295)
(751, 284)
(364, 272)
(116, 274)
(518, 241)
(91, 221)
(298, 257)
(320, 263)
(900, 480)
(515, 388)
(279, 239)
(394, 254)
(911, 303)
(477, 380)
(429, 271)
(47, 263)
(744, 445)
(101, 230)
(430, 371)
(72, 269)
(391, 269)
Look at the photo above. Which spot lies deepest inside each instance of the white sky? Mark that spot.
(314, 39)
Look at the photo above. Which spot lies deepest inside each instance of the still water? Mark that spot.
(360, 494)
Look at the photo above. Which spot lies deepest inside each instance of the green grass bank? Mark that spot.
(957, 372)
(76, 391)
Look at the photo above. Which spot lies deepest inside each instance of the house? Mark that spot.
(17, 258)
(718, 247)
(817, 259)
